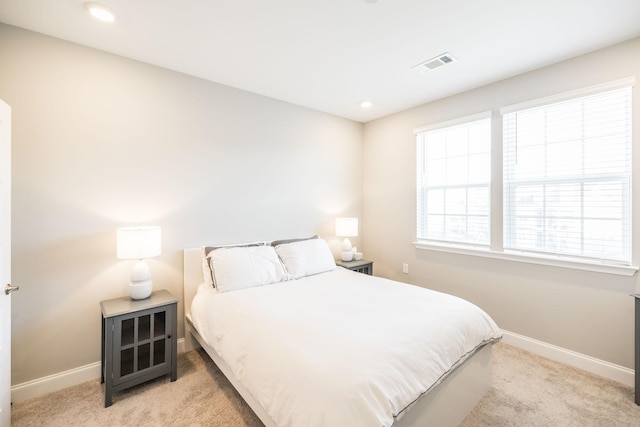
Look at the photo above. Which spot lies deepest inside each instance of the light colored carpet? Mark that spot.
(201, 396)
(530, 390)
(527, 391)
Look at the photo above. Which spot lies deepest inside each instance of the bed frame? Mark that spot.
(446, 405)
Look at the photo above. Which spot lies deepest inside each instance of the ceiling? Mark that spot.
(330, 55)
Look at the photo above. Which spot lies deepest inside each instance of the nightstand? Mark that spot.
(363, 266)
(139, 341)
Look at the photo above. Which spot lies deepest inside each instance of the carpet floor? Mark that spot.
(528, 390)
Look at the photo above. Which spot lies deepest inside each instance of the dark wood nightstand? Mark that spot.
(363, 266)
(139, 341)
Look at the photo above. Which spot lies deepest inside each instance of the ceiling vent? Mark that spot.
(433, 63)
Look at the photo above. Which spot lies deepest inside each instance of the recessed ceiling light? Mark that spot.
(366, 104)
(100, 11)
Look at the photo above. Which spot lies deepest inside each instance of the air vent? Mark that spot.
(433, 63)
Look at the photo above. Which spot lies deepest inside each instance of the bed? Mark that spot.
(306, 343)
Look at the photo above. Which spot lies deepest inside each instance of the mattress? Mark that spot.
(339, 348)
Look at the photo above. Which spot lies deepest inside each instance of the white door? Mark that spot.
(5, 264)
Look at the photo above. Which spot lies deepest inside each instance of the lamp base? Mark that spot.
(347, 256)
(140, 286)
(347, 250)
(141, 289)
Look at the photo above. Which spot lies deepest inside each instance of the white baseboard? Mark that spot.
(51, 383)
(599, 367)
(55, 382)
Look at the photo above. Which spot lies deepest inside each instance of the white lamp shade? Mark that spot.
(347, 227)
(138, 242)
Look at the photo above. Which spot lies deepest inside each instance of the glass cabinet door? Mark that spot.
(159, 337)
(140, 342)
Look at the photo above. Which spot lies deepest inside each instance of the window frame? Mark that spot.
(496, 249)
(486, 115)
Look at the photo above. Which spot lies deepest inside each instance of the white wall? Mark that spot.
(589, 313)
(100, 141)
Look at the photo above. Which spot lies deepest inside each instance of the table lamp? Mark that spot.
(347, 227)
(139, 243)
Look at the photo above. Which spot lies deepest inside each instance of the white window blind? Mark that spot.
(453, 181)
(567, 177)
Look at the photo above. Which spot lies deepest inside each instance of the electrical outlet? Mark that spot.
(405, 268)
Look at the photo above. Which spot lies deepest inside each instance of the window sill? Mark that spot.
(620, 270)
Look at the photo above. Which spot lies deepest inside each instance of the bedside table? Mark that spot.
(139, 341)
(363, 266)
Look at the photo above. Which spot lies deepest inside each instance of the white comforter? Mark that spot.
(339, 348)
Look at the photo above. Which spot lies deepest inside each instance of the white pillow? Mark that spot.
(207, 274)
(306, 257)
(245, 267)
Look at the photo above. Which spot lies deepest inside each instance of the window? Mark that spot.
(453, 181)
(567, 177)
(562, 197)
